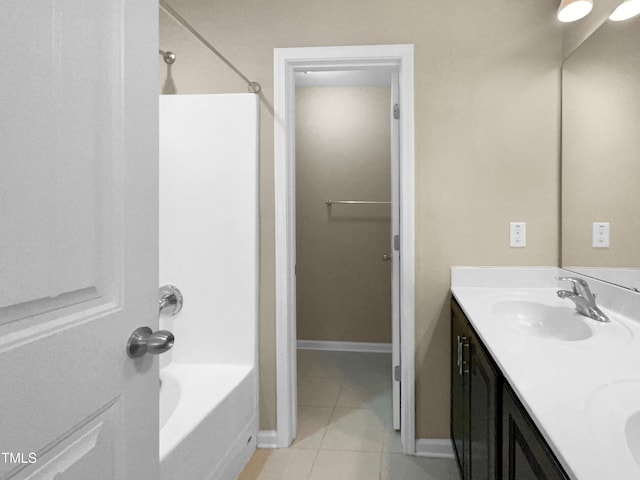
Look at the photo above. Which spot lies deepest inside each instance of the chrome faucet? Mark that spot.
(584, 299)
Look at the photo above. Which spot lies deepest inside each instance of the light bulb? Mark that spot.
(572, 10)
(626, 10)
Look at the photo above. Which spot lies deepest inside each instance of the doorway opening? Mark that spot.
(394, 62)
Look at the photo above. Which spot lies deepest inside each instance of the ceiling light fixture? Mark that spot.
(626, 10)
(572, 10)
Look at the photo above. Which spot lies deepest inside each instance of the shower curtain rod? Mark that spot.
(254, 87)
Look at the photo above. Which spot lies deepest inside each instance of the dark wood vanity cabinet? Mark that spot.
(493, 436)
(459, 388)
(475, 395)
(525, 454)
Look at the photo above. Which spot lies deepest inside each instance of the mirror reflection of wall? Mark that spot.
(601, 155)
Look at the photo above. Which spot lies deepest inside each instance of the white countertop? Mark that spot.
(580, 389)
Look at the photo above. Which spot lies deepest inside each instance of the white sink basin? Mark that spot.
(614, 410)
(546, 321)
(632, 432)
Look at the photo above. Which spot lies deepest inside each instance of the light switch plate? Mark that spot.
(600, 234)
(518, 234)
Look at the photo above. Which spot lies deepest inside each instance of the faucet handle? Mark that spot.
(580, 286)
(574, 280)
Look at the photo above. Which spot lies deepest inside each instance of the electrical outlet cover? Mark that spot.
(600, 235)
(518, 234)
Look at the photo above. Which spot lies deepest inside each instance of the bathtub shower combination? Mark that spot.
(209, 250)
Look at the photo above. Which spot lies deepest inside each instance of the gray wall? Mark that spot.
(487, 138)
(601, 172)
(343, 152)
(573, 34)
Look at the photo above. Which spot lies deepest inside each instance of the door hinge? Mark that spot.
(295, 269)
(396, 243)
(396, 373)
(396, 111)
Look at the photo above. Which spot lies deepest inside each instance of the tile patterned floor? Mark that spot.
(344, 426)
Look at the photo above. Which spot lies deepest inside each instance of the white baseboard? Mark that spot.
(267, 439)
(344, 346)
(434, 448)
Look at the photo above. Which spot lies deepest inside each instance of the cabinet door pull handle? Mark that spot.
(464, 362)
(461, 344)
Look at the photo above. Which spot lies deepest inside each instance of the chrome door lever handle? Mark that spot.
(144, 340)
(386, 257)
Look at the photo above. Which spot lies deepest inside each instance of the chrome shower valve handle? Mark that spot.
(170, 300)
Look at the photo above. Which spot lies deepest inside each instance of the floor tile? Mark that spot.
(365, 363)
(329, 364)
(312, 425)
(365, 391)
(343, 465)
(319, 392)
(454, 471)
(382, 405)
(392, 442)
(407, 467)
(345, 426)
(304, 360)
(279, 464)
(305, 357)
(354, 429)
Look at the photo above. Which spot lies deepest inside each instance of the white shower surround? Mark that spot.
(209, 249)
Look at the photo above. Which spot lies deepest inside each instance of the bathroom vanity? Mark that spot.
(493, 435)
(538, 390)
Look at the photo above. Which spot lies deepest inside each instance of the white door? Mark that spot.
(78, 239)
(395, 246)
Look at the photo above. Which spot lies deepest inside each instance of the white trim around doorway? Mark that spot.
(287, 61)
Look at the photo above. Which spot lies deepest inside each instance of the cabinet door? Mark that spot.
(525, 454)
(459, 404)
(484, 391)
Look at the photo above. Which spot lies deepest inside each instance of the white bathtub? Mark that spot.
(207, 421)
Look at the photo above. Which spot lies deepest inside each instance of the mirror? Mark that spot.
(601, 155)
